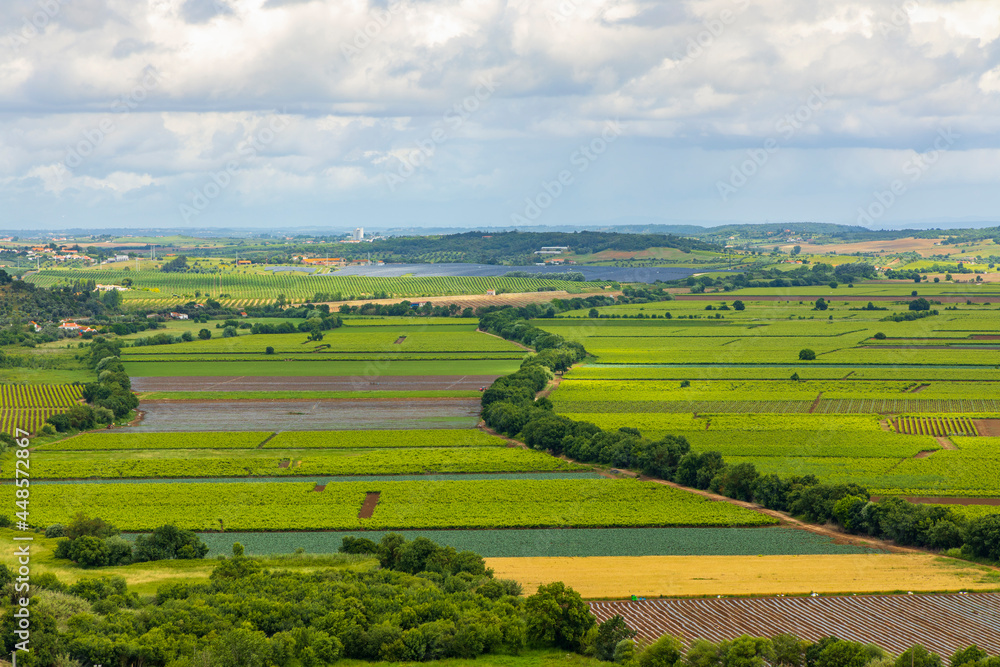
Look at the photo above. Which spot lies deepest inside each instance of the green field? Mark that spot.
(298, 506)
(279, 368)
(564, 542)
(243, 287)
(180, 463)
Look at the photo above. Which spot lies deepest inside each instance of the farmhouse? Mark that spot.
(179, 316)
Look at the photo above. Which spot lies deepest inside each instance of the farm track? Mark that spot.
(945, 442)
(940, 623)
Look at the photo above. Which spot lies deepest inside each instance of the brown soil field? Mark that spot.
(655, 576)
(368, 507)
(926, 247)
(319, 415)
(990, 427)
(313, 383)
(941, 623)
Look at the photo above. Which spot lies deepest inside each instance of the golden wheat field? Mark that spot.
(652, 576)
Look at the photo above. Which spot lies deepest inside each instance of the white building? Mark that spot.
(358, 234)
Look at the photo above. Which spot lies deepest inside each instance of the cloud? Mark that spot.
(698, 83)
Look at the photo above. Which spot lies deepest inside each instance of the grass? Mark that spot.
(145, 578)
(652, 576)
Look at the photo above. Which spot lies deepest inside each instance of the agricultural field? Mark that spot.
(603, 578)
(27, 406)
(942, 624)
(566, 542)
(304, 506)
(188, 463)
(153, 289)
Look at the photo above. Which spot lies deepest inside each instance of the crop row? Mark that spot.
(934, 425)
(811, 443)
(283, 440)
(27, 419)
(651, 423)
(474, 504)
(339, 340)
(39, 395)
(132, 441)
(278, 463)
(379, 439)
(823, 406)
(611, 372)
(573, 389)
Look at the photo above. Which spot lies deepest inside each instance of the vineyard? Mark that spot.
(423, 504)
(822, 406)
(250, 288)
(934, 425)
(27, 406)
(192, 463)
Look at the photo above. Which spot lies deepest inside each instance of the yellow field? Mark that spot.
(651, 576)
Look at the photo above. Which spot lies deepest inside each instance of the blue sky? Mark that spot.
(275, 113)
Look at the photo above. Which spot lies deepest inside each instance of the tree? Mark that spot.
(609, 634)
(983, 537)
(738, 305)
(268, 350)
(748, 651)
(920, 304)
(88, 551)
(879, 336)
(557, 616)
(204, 334)
(821, 304)
(593, 313)
(918, 656)
(664, 652)
(229, 332)
(187, 337)
(806, 354)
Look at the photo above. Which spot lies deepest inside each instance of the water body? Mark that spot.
(617, 273)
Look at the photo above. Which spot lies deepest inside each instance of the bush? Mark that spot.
(807, 355)
(204, 334)
(55, 530)
(268, 350)
(229, 332)
(880, 336)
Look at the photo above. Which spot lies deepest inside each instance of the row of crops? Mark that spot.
(940, 426)
(404, 504)
(176, 463)
(821, 406)
(26, 419)
(267, 287)
(284, 440)
(39, 395)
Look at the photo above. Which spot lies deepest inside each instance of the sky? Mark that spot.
(290, 113)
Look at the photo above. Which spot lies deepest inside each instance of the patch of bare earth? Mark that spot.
(987, 427)
(368, 507)
(945, 442)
